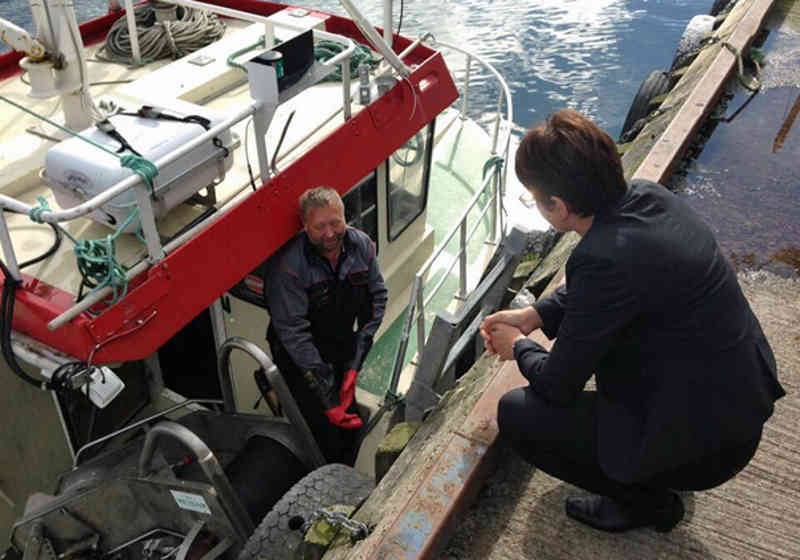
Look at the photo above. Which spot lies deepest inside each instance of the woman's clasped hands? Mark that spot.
(502, 329)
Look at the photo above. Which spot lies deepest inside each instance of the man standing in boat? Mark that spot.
(651, 307)
(326, 299)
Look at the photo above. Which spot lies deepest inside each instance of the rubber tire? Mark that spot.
(718, 6)
(262, 472)
(654, 85)
(330, 485)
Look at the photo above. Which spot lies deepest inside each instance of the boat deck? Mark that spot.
(218, 88)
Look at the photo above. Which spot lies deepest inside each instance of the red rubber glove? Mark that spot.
(347, 392)
(338, 417)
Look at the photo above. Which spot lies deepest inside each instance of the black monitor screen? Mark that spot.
(298, 56)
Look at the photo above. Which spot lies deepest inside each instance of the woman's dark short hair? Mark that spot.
(570, 157)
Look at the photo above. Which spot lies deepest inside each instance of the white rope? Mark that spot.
(169, 39)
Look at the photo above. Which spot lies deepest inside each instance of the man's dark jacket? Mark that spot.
(652, 308)
(314, 307)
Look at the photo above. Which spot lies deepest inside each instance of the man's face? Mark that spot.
(325, 228)
(546, 207)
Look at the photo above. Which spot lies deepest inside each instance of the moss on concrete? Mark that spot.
(392, 446)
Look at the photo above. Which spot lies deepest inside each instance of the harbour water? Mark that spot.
(744, 182)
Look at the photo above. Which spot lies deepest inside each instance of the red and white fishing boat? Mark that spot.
(150, 162)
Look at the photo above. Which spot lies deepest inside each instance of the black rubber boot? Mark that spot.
(605, 514)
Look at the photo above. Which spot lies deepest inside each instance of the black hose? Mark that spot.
(6, 316)
(400, 24)
(7, 311)
(51, 251)
(53, 248)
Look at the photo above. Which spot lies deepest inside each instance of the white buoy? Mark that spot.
(699, 28)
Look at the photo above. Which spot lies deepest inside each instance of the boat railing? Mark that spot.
(269, 26)
(490, 192)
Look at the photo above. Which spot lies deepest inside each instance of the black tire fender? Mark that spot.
(656, 83)
(278, 537)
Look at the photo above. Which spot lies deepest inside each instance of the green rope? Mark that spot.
(494, 161)
(96, 258)
(98, 264)
(325, 50)
(143, 167)
(236, 54)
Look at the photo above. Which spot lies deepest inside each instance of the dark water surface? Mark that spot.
(745, 181)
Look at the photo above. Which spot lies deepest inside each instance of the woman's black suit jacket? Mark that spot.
(654, 310)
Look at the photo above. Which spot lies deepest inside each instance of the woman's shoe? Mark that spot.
(605, 514)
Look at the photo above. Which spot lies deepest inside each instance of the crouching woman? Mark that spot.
(685, 377)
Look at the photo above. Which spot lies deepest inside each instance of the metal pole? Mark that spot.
(497, 120)
(494, 206)
(465, 100)
(420, 317)
(147, 220)
(138, 423)
(261, 120)
(130, 16)
(141, 266)
(346, 89)
(414, 45)
(226, 379)
(269, 34)
(400, 356)
(387, 21)
(290, 408)
(462, 259)
(63, 422)
(238, 515)
(376, 40)
(8, 249)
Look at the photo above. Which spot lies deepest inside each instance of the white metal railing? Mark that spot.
(493, 184)
(157, 251)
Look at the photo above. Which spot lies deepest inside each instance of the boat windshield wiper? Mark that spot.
(272, 166)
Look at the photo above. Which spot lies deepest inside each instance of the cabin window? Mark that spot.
(408, 172)
(361, 206)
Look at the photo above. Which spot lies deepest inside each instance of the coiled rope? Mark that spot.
(325, 50)
(193, 30)
(96, 259)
